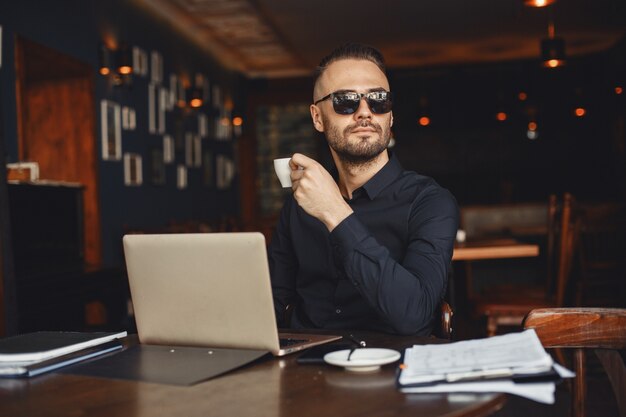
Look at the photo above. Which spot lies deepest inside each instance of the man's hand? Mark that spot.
(316, 192)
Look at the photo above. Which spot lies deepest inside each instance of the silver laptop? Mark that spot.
(209, 290)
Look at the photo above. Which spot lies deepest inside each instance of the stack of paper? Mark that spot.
(515, 363)
(31, 354)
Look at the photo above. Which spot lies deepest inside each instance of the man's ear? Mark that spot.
(391, 121)
(317, 118)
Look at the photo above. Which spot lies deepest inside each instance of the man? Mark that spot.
(370, 249)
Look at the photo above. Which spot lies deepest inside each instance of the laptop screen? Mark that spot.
(210, 290)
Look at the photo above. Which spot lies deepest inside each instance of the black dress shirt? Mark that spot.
(383, 268)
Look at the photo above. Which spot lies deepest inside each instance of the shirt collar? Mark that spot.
(383, 178)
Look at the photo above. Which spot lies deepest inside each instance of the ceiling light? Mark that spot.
(552, 49)
(196, 98)
(124, 60)
(532, 132)
(538, 3)
(116, 64)
(106, 60)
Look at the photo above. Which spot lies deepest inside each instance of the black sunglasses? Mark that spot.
(347, 102)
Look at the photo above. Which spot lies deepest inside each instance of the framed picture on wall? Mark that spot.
(140, 61)
(173, 91)
(156, 67)
(223, 126)
(128, 118)
(193, 150)
(132, 119)
(168, 149)
(152, 109)
(133, 173)
(164, 98)
(225, 171)
(181, 177)
(111, 130)
(203, 125)
(218, 128)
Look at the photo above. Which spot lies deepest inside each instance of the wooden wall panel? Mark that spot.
(57, 127)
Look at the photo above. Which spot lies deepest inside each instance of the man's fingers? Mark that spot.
(299, 160)
(296, 174)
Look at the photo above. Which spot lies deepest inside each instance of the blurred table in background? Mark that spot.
(481, 250)
(493, 249)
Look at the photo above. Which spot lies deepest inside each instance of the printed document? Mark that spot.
(514, 363)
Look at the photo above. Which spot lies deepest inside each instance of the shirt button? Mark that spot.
(338, 311)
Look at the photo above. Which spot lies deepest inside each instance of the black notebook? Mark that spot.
(32, 348)
(11, 370)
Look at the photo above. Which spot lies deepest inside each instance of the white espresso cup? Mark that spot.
(283, 171)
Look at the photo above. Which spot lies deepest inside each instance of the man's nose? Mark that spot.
(363, 111)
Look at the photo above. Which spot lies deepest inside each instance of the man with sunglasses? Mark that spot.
(370, 247)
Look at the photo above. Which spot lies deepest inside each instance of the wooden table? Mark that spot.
(270, 387)
(480, 250)
(493, 249)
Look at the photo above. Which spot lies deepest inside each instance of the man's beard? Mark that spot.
(361, 152)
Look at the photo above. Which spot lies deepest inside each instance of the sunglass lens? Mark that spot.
(346, 103)
(380, 103)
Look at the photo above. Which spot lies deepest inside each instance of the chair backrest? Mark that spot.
(569, 225)
(552, 233)
(601, 257)
(442, 327)
(603, 329)
(562, 227)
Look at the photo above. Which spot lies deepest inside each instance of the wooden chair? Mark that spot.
(579, 328)
(602, 264)
(443, 324)
(507, 305)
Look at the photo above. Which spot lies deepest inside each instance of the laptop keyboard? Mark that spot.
(286, 342)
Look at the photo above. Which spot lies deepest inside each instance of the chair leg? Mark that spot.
(560, 356)
(616, 370)
(579, 388)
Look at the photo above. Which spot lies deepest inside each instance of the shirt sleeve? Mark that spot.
(404, 292)
(283, 266)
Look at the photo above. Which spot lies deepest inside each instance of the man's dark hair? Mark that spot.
(352, 50)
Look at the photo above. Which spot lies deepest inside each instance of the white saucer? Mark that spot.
(362, 360)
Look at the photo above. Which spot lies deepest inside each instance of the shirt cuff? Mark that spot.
(347, 235)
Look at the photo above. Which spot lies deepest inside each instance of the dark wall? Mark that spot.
(483, 160)
(76, 28)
